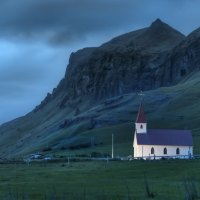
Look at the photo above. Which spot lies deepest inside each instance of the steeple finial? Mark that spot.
(141, 94)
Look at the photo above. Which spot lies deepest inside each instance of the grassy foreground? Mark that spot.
(165, 179)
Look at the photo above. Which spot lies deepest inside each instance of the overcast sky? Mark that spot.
(37, 37)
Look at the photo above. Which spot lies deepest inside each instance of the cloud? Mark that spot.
(64, 22)
(24, 63)
(61, 21)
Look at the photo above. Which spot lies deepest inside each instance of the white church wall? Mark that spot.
(135, 145)
(145, 151)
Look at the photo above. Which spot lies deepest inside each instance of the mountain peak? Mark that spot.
(158, 26)
(158, 23)
(158, 37)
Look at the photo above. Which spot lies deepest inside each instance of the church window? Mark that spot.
(141, 126)
(152, 150)
(177, 151)
(165, 151)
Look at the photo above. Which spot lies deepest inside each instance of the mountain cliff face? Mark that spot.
(97, 82)
(128, 63)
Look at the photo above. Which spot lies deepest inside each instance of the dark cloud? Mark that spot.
(64, 22)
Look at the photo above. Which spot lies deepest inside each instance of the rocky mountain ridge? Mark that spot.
(128, 63)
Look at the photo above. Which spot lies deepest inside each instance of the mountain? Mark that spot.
(126, 64)
(98, 94)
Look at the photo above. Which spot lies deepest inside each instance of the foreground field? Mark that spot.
(165, 179)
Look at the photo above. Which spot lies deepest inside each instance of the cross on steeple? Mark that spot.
(141, 94)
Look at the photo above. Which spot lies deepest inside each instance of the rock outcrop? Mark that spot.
(128, 63)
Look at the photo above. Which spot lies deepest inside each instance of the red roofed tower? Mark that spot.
(140, 123)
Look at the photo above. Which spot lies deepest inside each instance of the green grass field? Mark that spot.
(101, 180)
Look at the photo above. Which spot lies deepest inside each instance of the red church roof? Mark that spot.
(141, 116)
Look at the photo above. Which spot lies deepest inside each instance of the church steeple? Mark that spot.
(140, 123)
(140, 116)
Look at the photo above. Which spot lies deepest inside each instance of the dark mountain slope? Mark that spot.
(182, 61)
(100, 85)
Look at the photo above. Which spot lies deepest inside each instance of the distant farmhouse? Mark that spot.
(156, 143)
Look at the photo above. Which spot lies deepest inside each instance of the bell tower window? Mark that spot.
(141, 126)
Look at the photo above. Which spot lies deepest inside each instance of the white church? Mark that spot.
(159, 143)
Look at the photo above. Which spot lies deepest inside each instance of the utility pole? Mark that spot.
(112, 146)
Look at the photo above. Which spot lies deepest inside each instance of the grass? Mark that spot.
(99, 180)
